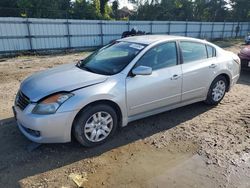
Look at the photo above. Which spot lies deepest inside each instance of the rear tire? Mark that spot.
(94, 125)
(217, 90)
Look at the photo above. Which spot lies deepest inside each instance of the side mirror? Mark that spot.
(142, 70)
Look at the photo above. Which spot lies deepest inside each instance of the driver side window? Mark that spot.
(160, 56)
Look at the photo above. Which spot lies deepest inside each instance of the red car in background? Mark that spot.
(244, 56)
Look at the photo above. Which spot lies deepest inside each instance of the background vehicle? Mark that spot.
(247, 38)
(133, 32)
(132, 78)
(245, 57)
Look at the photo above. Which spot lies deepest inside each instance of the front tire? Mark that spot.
(94, 125)
(217, 90)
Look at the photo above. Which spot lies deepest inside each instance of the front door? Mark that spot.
(162, 87)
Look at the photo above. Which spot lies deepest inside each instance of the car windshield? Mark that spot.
(111, 59)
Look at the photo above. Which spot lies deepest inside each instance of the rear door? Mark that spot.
(162, 87)
(198, 68)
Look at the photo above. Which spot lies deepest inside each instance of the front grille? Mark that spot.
(22, 101)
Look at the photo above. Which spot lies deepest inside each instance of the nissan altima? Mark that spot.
(129, 79)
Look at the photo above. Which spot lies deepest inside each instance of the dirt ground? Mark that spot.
(192, 146)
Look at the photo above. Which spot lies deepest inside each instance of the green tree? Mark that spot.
(8, 8)
(95, 9)
(216, 10)
(210, 10)
(240, 10)
(165, 10)
(84, 10)
(197, 10)
(45, 8)
(96, 5)
(115, 6)
(201, 10)
(103, 4)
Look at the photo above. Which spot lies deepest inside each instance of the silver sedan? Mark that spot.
(130, 79)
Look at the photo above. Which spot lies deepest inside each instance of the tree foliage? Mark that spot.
(197, 10)
(115, 6)
(44, 8)
(193, 10)
(8, 8)
(240, 9)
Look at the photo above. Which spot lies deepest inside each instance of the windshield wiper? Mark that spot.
(78, 65)
(84, 67)
(87, 69)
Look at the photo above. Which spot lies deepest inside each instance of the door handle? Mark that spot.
(212, 66)
(175, 77)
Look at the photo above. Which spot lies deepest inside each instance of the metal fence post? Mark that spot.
(212, 31)
(151, 27)
(68, 33)
(223, 29)
(186, 29)
(169, 27)
(29, 33)
(101, 32)
(232, 30)
(241, 27)
(200, 30)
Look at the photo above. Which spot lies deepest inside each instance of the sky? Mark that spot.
(124, 3)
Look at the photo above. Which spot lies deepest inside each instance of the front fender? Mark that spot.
(111, 90)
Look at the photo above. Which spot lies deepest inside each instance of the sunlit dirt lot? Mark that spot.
(192, 146)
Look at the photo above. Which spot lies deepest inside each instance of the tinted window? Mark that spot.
(163, 55)
(193, 51)
(111, 59)
(211, 51)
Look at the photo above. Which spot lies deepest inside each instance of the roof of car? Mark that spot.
(149, 39)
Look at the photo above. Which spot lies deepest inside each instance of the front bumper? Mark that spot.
(53, 128)
(234, 80)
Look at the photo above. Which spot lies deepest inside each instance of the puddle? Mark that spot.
(191, 172)
(147, 166)
(140, 165)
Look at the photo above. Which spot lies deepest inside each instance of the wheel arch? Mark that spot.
(210, 101)
(227, 78)
(108, 102)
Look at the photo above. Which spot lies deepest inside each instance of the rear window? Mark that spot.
(193, 51)
(211, 52)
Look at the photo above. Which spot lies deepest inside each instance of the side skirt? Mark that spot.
(163, 109)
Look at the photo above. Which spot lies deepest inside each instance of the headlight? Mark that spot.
(50, 104)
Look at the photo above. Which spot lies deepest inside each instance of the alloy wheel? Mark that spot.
(219, 90)
(98, 126)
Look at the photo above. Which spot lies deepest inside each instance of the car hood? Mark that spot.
(62, 78)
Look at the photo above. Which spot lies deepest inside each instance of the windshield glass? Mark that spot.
(111, 59)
